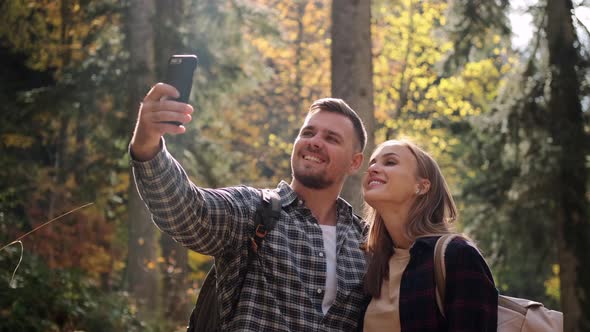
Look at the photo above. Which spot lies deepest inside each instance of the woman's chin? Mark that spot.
(370, 201)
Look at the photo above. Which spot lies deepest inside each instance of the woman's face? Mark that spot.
(391, 177)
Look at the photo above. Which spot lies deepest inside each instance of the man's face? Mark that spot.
(324, 150)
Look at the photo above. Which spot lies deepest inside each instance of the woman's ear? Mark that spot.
(423, 186)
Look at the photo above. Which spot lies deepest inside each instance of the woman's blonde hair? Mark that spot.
(430, 214)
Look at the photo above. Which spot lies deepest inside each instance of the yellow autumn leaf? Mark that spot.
(17, 141)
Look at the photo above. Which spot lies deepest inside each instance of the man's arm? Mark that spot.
(204, 220)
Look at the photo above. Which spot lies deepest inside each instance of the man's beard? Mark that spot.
(312, 181)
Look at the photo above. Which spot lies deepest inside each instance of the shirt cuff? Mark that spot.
(154, 167)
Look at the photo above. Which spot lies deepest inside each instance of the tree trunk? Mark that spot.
(573, 227)
(142, 269)
(61, 152)
(175, 302)
(352, 75)
(298, 98)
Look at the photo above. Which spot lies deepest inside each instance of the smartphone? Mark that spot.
(179, 74)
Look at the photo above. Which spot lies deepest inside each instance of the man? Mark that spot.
(309, 271)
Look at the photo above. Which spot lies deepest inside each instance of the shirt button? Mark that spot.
(321, 254)
(300, 202)
(320, 291)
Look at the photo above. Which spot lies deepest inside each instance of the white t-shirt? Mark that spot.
(329, 235)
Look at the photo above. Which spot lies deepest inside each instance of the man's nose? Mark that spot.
(315, 142)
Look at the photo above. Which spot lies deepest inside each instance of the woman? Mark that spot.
(409, 207)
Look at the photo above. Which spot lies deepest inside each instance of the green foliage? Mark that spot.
(212, 151)
(415, 97)
(53, 161)
(471, 25)
(510, 194)
(200, 265)
(63, 142)
(508, 207)
(295, 55)
(43, 299)
(512, 199)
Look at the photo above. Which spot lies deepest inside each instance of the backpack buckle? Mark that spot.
(260, 233)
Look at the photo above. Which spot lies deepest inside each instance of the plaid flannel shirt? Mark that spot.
(283, 290)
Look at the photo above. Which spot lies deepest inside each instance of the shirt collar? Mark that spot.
(288, 196)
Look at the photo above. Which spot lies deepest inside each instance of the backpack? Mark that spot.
(205, 315)
(514, 314)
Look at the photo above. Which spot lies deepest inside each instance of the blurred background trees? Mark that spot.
(352, 76)
(509, 125)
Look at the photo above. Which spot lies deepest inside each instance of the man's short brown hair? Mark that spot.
(336, 105)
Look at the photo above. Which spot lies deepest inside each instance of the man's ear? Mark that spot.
(357, 162)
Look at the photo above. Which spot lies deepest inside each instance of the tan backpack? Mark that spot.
(514, 314)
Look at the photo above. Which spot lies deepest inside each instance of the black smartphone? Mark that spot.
(179, 74)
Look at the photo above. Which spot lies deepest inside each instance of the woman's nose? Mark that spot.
(373, 168)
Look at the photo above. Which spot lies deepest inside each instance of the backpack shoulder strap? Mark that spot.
(266, 217)
(271, 208)
(440, 270)
(440, 278)
(205, 315)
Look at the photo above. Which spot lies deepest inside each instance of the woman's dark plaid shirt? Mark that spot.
(283, 292)
(471, 301)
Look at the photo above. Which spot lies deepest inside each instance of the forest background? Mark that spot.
(508, 124)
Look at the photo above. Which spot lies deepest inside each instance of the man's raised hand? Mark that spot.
(153, 121)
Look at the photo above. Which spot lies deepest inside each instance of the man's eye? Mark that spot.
(333, 139)
(306, 134)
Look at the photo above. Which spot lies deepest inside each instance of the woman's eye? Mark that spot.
(390, 162)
